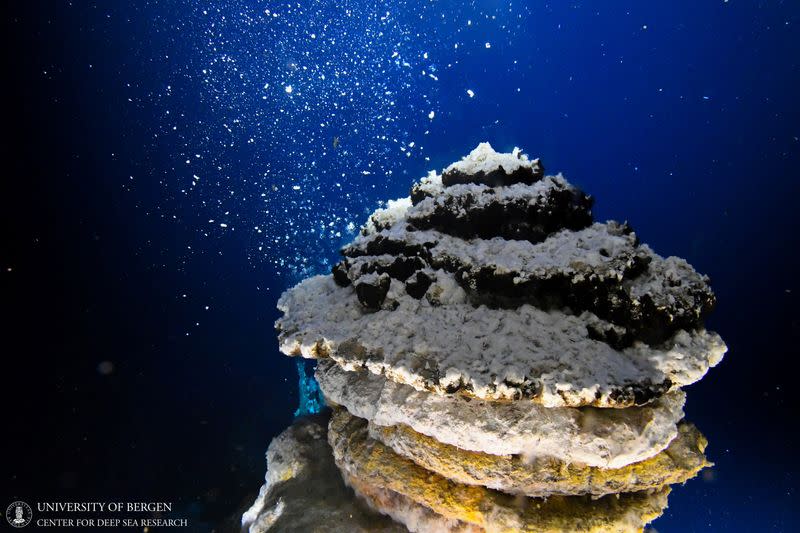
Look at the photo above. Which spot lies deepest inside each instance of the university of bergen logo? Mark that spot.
(19, 514)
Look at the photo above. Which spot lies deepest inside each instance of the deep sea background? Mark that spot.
(169, 169)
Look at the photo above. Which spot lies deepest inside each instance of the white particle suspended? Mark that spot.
(470, 93)
(288, 89)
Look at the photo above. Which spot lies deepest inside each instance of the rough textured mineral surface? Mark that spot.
(485, 166)
(443, 344)
(492, 281)
(510, 220)
(374, 464)
(416, 517)
(609, 438)
(515, 212)
(583, 270)
(681, 461)
(497, 361)
(304, 491)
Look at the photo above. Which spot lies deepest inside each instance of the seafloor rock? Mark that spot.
(375, 464)
(515, 474)
(304, 491)
(610, 438)
(442, 344)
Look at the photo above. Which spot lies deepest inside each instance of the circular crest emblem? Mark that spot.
(19, 514)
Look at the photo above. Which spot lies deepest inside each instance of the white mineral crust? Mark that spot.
(490, 353)
(484, 159)
(608, 438)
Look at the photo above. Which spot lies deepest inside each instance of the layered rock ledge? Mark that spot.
(496, 360)
(498, 285)
(375, 464)
(443, 344)
(414, 516)
(546, 476)
(608, 438)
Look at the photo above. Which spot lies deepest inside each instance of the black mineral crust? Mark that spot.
(497, 177)
(651, 315)
(372, 293)
(519, 219)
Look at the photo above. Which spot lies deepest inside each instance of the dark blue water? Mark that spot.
(172, 167)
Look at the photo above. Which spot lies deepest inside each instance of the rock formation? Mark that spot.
(304, 490)
(495, 361)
